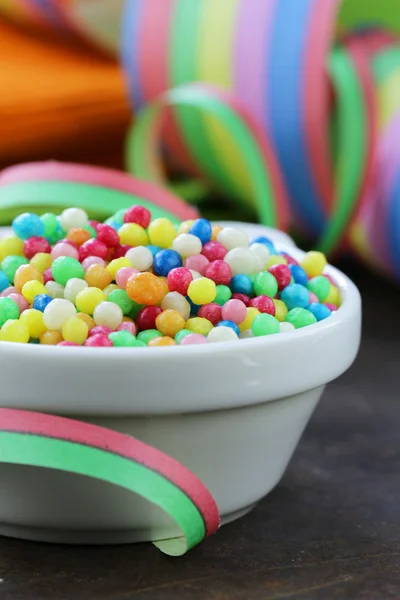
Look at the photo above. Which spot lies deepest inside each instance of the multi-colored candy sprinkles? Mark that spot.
(45, 441)
(134, 281)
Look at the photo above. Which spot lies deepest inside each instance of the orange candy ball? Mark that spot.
(27, 273)
(169, 322)
(145, 288)
(90, 322)
(51, 338)
(162, 341)
(98, 276)
(78, 236)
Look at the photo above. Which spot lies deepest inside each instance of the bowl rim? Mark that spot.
(350, 298)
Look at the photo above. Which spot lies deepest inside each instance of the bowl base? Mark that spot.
(93, 538)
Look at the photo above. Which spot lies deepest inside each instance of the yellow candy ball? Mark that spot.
(15, 331)
(110, 288)
(26, 273)
(162, 233)
(133, 235)
(252, 313)
(87, 300)
(275, 259)
(118, 263)
(34, 320)
(199, 325)
(202, 290)
(42, 261)
(185, 226)
(161, 341)
(90, 322)
(333, 297)
(31, 289)
(314, 263)
(11, 245)
(280, 310)
(75, 330)
(169, 322)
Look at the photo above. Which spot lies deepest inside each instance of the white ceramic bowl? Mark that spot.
(233, 413)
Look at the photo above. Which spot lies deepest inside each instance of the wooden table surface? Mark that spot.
(331, 529)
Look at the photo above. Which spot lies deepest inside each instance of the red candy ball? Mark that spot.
(282, 274)
(98, 341)
(212, 312)
(107, 235)
(146, 318)
(48, 275)
(93, 248)
(290, 259)
(219, 272)
(179, 280)
(69, 242)
(139, 215)
(245, 299)
(94, 224)
(100, 330)
(34, 245)
(214, 251)
(263, 304)
(120, 251)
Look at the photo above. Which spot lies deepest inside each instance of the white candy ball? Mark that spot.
(245, 335)
(196, 274)
(108, 314)
(54, 289)
(286, 327)
(140, 257)
(73, 287)
(175, 301)
(187, 244)
(57, 312)
(73, 217)
(262, 252)
(233, 238)
(222, 334)
(241, 261)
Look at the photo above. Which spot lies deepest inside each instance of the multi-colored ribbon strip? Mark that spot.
(45, 441)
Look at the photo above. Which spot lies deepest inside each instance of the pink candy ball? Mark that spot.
(234, 310)
(93, 248)
(193, 338)
(214, 251)
(93, 260)
(100, 330)
(123, 275)
(313, 298)
(219, 272)
(127, 326)
(34, 245)
(331, 306)
(67, 344)
(98, 341)
(64, 249)
(20, 301)
(198, 263)
(8, 291)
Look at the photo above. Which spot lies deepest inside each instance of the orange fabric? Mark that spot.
(58, 101)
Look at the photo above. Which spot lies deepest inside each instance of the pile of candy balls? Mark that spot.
(133, 282)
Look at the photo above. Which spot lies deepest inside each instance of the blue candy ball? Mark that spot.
(41, 301)
(154, 249)
(241, 284)
(194, 308)
(261, 239)
(4, 282)
(295, 296)
(28, 225)
(230, 324)
(299, 275)
(165, 261)
(202, 229)
(320, 311)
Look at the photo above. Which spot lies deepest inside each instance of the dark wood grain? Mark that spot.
(330, 530)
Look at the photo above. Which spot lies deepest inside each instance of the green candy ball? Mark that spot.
(320, 286)
(300, 317)
(265, 324)
(65, 268)
(11, 264)
(121, 298)
(122, 339)
(223, 295)
(265, 284)
(148, 335)
(8, 310)
(181, 334)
